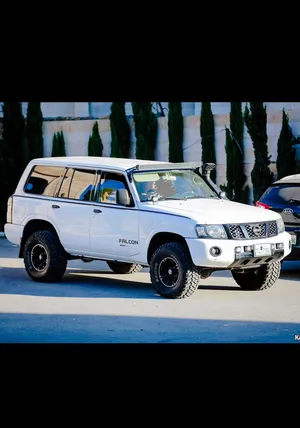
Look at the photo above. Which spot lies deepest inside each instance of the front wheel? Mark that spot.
(258, 279)
(172, 271)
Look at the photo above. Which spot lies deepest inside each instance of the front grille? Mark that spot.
(257, 230)
(252, 230)
(272, 228)
(236, 231)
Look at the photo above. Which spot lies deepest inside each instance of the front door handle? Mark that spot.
(97, 211)
(55, 206)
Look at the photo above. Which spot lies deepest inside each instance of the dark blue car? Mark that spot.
(283, 196)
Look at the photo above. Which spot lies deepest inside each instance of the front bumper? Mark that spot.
(295, 252)
(229, 258)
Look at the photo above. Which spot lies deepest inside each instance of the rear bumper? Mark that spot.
(13, 233)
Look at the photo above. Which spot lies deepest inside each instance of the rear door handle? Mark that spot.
(97, 211)
(55, 206)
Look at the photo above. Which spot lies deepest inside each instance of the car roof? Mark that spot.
(295, 178)
(121, 164)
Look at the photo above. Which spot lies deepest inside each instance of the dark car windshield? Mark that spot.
(171, 184)
(283, 194)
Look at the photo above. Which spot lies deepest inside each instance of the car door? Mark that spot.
(70, 210)
(114, 229)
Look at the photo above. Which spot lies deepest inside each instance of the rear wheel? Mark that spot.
(172, 271)
(45, 259)
(258, 279)
(124, 268)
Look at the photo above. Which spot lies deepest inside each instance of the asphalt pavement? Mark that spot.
(91, 304)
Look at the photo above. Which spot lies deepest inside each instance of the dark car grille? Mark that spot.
(252, 230)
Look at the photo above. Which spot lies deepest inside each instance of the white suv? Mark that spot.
(134, 213)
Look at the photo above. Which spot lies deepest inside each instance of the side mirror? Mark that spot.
(122, 197)
(223, 194)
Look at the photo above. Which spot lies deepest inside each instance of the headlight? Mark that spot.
(211, 231)
(280, 225)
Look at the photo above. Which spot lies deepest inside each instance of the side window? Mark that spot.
(109, 184)
(44, 180)
(65, 187)
(78, 184)
(83, 184)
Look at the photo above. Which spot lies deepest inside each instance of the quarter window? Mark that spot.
(44, 180)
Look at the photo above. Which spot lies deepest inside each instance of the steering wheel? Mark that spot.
(151, 192)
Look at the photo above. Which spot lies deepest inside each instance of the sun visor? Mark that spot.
(141, 178)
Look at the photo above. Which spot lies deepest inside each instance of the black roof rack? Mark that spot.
(203, 168)
(166, 165)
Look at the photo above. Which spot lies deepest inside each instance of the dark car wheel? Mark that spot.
(172, 271)
(44, 257)
(258, 279)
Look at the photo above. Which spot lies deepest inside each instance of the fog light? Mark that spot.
(279, 246)
(215, 251)
(238, 249)
(248, 248)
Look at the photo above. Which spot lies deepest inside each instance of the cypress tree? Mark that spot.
(2, 180)
(61, 143)
(34, 131)
(175, 132)
(120, 131)
(95, 146)
(145, 130)
(286, 162)
(207, 132)
(55, 146)
(12, 152)
(236, 188)
(229, 188)
(256, 122)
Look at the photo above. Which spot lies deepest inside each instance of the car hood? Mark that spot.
(212, 211)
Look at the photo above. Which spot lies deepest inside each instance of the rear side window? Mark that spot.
(78, 184)
(44, 180)
(283, 194)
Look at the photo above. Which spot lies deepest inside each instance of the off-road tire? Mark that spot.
(124, 268)
(186, 272)
(258, 279)
(56, 257)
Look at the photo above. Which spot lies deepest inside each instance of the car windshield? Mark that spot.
(283, 194)
(171, 185)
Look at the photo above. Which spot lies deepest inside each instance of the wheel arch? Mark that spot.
(161, 238)
(34, 226)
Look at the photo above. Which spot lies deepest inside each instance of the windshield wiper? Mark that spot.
(170, 198)
(293, 200)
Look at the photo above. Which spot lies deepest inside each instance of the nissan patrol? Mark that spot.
(133, 213)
